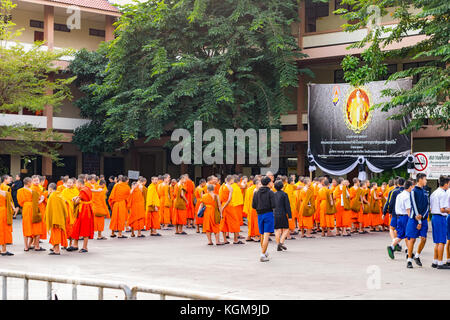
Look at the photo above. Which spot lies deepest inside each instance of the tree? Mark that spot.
(228, 63)
(25, 83)
(429, 97)
(89, 67)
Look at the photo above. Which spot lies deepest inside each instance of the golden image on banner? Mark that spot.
(357, 112)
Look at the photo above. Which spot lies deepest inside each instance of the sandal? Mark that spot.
(210, 244)
(113, 236)
(219, 244)
(122, 237)
(183, 233)
(40, 249)
(83, 251)
(239, 242)
(228, 242)
(54, 254)
(141, 236)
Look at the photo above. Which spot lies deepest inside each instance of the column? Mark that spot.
(109, 28)
(301, 93)
(49, 38)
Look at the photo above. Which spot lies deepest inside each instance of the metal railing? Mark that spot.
(130, 294)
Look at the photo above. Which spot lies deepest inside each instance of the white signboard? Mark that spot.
(133, 175)
(433, 164)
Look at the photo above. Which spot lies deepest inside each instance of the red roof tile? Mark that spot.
(93, 4)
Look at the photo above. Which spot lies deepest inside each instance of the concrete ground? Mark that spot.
(354, 267)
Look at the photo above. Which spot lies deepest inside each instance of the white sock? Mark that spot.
(393, 247)
(435, 261)
(417, 255)
(410, 260)
(263, 255)
(440, 263)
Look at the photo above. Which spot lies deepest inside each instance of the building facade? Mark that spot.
(319, 35)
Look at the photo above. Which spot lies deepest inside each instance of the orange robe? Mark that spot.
(289, 189)
(180, 206)
(230, 221)
(198, 194)
(190, 187)
(100, 209)
(55, 217)
(209, 223)
(355, 202)
(252, 216)
(68, 194)
(40, 228)
(84, 223)
(152, 219)
(118, 202)
(237, 203)
(5, 211)
(136, 204)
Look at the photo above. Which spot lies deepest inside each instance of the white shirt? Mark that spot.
(402, 203)
(448, 194)
(439, 200)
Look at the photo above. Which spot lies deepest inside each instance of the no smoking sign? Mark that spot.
(420, 162)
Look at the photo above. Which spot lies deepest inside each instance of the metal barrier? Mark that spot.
(101, 285)
(176, 293)
(130, 294)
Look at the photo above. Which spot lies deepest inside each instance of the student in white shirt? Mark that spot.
(402, 209)
(439, 210)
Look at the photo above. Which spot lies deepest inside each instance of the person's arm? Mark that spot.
(287, 205)
(255, 200)
(387, 205)
(229, 197)
(414, 207)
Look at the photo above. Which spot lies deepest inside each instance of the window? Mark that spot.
(61, 27)
(38, 36)
(314, 10)
(97, 33)
(57, 26)
(412, 65)
(37, 24)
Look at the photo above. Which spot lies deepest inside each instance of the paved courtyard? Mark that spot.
(320, 268)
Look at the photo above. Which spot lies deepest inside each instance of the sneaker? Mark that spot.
(283, 247)
(444, 266)
(390, 252)
(409, 265)
(279, 247)
(398, 248)
(264, 259)
(267, 254)
(418, 262)
(434, 265)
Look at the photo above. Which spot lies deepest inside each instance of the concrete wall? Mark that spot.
(75, 39)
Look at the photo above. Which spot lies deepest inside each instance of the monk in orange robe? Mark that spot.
(68, 194)
(230, 219)
(356, 194)
(6, 216)
(244, 184)
(289, 188)
(153, 203)
(306, 208)
(62, 183)
(180, 206)
(343, 212)
(252, 217)
(99, 208)
(118, 202)
(210, 222)
(198, 195)
(375, 208)
(136, 204)
(84, 223)
(39, 227)
(55, 218)
(365, 213)
(190, 214)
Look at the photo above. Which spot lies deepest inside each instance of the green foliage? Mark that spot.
(429, 98)
(25, 83)
(90, 70)
(227, 63)
(391, 174)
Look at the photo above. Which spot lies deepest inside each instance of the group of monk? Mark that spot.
(76, 208)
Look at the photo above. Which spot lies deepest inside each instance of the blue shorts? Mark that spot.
(400, 227)
(394, 221)
(411, 229)
(266, 222)
(439, 225)
(448, 227)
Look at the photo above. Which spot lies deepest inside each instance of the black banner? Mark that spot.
(341, 123)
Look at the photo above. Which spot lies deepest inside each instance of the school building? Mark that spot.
(319, 35)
